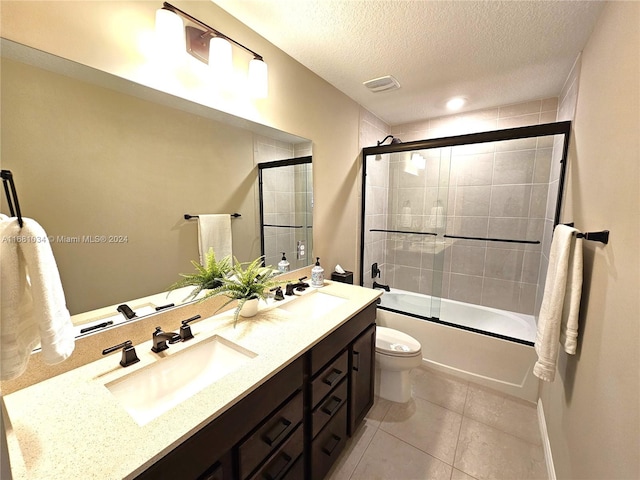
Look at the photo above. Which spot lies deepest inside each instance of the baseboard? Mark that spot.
(551, 471)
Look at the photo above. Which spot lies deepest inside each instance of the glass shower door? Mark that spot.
(406, 196)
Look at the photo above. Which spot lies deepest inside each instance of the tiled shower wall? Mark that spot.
(372, 130)
(566, 111)
(506, 200)
(285, 200)
(495, 190)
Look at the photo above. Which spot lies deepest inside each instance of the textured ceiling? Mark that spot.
(492, 52)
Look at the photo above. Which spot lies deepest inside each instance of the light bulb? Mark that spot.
(220, 56)
(170, 36)
(258, 78)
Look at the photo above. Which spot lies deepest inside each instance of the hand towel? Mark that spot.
(33, 306)
(214, 231)
(558, 320)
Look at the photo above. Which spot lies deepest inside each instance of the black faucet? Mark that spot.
(129, 356)
(300, 286)
(125, 310)
(185, 328)
(160, 340)
(375, 271)
(278, 295)
(383, 287)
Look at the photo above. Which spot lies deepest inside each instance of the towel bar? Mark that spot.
(10, 192)
(602, 236)
(189, 217)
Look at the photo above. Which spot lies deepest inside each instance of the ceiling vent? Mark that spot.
(382, 84)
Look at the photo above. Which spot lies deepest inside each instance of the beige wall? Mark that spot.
(592, 407)
(115, 37)
(90, 161)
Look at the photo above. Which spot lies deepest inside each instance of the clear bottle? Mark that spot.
(283, 265)
(317, 275)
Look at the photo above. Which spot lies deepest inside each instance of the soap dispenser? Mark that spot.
(283, 265)
(317, 275)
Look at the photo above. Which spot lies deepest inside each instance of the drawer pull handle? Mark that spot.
(356, 360)
(276, 432)
(331, 405)
(280, 467)
(331, 444)
(333, 377)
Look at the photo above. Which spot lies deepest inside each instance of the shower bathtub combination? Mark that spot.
(457, 231)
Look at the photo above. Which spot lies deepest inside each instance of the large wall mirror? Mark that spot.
(109, 169)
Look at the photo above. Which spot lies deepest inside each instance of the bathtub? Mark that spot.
(487, 346)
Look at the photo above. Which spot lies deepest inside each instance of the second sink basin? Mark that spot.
(148, 393)
(312, 305)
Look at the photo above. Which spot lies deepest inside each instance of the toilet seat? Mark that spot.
(396, 344)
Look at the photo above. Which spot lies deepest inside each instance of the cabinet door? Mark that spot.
(363, 352)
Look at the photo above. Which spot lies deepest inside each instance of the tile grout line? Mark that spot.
(364, 450)
(462, 415)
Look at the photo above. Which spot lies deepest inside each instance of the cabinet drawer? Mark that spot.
(288, 457)
(329, 407)
(297, 471)
(328, 378)
(328, 444)
(269, 435)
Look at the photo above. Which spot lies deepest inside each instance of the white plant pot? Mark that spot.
(250, 308)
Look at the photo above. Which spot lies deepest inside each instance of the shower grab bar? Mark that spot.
(403, 231)
(508, 240)
(189, 217)
(601, 236)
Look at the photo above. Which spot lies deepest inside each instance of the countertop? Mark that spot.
(71, 426)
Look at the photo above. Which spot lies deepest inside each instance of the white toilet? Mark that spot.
(396, 354)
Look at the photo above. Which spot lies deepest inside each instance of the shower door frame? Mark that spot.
(542, 130)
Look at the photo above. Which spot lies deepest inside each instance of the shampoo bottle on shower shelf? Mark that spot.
(437, 215)
(283, 265)
(317, 275)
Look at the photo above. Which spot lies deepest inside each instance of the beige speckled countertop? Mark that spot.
(71, 426)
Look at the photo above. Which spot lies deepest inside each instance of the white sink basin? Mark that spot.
(148, 393)
(312, 305)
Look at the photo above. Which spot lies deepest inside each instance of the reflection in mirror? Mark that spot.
(286, 211)
(109, 168)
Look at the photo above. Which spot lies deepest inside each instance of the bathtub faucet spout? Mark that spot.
(384, 287)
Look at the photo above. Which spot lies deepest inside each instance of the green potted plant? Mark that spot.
(248, 283)
(207, 277)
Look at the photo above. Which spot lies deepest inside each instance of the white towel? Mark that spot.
(558, 321)
(214, 231)
(33, 306)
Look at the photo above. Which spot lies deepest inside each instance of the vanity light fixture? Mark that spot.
(207, 45)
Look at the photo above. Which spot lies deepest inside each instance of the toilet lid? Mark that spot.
(393, 342)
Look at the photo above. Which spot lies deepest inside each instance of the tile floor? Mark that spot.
(450, 430)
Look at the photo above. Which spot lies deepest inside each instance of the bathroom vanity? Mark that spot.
(285, 412)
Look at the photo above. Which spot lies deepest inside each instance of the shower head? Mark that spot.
(393, 140)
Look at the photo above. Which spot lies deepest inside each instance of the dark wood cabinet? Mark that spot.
(295, 425)
(363, 362)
